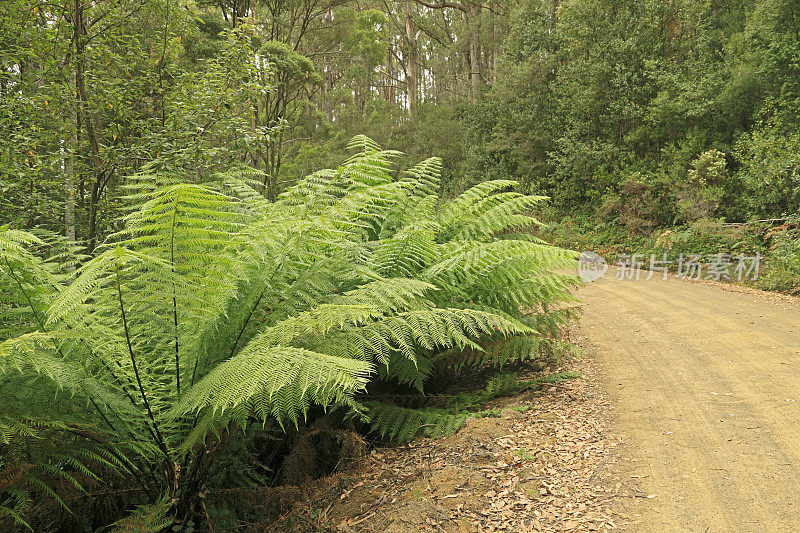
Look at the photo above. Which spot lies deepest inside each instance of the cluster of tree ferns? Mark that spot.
(212, 341)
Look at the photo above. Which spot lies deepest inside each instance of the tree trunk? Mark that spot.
(70, 150)
(84, 117)
(32, 201)
(474, 52)
(412, 80)
(390, 74)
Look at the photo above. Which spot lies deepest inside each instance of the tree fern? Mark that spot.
(213, 308)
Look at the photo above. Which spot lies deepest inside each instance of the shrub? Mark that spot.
(634, 208)
(708, 237)
(781, 271)
(700, 196)
(770, 171)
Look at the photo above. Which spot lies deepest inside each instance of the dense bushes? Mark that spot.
(214, 308)
(708, 237)
(657, 113)
(782, 269)
(777, 242)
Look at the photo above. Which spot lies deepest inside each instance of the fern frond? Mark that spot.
(275, 382)
(461, 206)
(426, 176)
(469, 260)
(362, 143)
(399, 368)
(317, 190)
(408, 253)
(389, 294)
(101, 272)
(354, 308)
(497, 213)
(24, 271)
(16, 242)
(369, 169)
(410, 332)
(150, 518)
(37, 352)
(402, 424)
(496, 353)
(15, 505)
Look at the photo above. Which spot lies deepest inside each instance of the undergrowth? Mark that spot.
(402, 424)
(777, 243)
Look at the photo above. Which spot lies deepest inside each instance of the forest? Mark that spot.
(241, 240)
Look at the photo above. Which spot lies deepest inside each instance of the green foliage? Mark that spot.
(701, 195)
(161, 82)
(213, 308)
(402, 424)
(770, 155)
(781, 270)
(606, 238)
(507, 384)
(150, 518)
(708, 237)
(607, 107)
(619, 107)
(43, 460)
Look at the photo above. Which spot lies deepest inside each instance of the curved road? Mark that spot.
(704, 383)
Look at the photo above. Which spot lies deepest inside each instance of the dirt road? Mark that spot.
(704, 382)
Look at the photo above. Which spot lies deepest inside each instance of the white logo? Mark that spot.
(591, 267)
